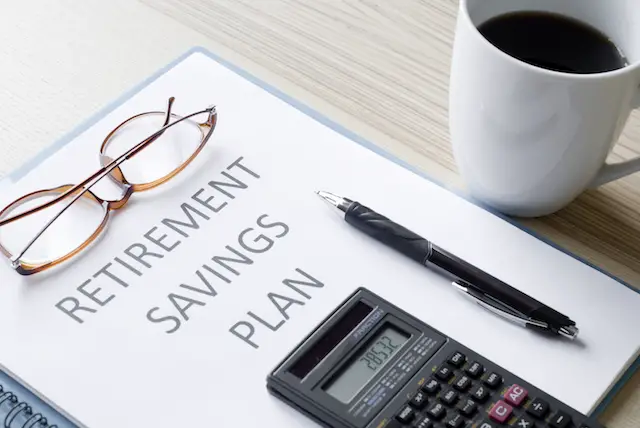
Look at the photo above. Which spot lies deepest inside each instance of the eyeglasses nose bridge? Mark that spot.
(118, 178)
(120, 203)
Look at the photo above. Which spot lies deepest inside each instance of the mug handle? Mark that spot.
(612, 172)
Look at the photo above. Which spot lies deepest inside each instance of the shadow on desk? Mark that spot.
(602, 226)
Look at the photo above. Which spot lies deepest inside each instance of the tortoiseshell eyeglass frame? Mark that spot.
(110, 167)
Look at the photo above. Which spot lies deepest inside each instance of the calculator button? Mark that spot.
(467, 407)
(493, 380)
(524, 421)
(560, 420)
(457, 359)
(423, 422)
(486, 424)
(419, 400)
(515, 395)
(437, 411)
(454, 421)
(538, 408)
(444, 373)
(449, 397)
(462, 383)
(475, 369)
(479, 393)
(431, 386)
(406, 415)
(501, 412)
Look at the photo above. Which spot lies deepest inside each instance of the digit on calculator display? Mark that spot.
(366, 364)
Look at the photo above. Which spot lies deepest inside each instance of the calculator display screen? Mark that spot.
(366, 363)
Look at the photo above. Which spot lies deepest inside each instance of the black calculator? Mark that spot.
(371, 365)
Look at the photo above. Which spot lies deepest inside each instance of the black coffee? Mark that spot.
(553, 41)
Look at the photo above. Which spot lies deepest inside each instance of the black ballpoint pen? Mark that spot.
(486, 290)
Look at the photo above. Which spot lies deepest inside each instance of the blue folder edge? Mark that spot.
(29, 165)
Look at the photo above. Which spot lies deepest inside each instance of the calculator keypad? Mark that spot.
(560, 420)
(538, 408)
(444, 373)
(455, 421)
(457, 359)
(475, 370)
(467, 407)
(437, 411)
(449, 397)
(462, 383)
(525, 421)
(406, 415)
(500, 412)
(515, 395)
(479, 393)
(431, 386)
(419, 400)
(494, 380)
(424, 422)
(464, 393)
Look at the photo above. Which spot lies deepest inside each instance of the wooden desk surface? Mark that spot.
(378, 67)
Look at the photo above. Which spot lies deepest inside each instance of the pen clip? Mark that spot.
(498, 308)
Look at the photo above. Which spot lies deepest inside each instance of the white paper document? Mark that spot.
(175, 317)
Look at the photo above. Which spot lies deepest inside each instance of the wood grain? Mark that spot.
(381, 68)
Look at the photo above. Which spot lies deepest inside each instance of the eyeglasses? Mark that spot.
(45, 228)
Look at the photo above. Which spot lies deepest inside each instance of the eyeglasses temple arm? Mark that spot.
(167, 116)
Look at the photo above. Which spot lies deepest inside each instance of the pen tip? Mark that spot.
(570, 332)
(337, 201)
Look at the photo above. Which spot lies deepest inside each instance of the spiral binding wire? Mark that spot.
(18, 408)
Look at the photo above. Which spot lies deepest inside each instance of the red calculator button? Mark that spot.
(501, 412)
(515, 395)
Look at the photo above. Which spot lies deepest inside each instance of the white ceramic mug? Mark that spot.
(528, 140)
